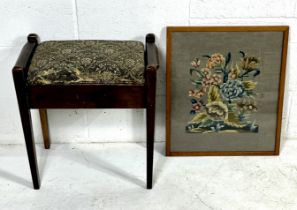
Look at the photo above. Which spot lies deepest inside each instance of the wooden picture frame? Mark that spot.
(237, 75)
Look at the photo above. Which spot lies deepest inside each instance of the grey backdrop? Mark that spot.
(188, 45)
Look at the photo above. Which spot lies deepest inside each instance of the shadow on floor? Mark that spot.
(14, 178)
(103, 166)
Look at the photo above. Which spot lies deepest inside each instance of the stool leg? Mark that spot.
(44, 127)
(150, 122)
(30, 145)
(150, 131)
(26, 123)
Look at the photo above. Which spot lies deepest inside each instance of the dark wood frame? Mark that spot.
(170, 30)
(83, 96)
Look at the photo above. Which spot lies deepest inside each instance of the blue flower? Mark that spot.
(232, 90)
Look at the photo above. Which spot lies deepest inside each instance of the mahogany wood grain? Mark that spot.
(86, 96)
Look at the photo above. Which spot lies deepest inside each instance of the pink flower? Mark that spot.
(191, 92)
(195, 63)
(197, 106)
(216, 79)
(205, 71)
(207, 81)
(196, 93)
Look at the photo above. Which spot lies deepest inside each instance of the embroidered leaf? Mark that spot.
(250, 93)
(257, 72)
(233, 121)
(235, 71)
(233, 118)
(199, 74)
(249, 85)
(213, 94)
(227, 59)
(235, 125)
(196, 82)
(207, 123)
(199, 117)
(232, 107)
(242, 53)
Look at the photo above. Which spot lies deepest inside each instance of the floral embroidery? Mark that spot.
(232, 90)
(87, 61)
(224, 93)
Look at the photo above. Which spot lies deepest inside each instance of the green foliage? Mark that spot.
(235, 71)
(197, 82)
(242, 53)
(207, 123)
(250, 93)
(206, 56)
(235, 125)
(198, 73)
(213, 94)
(199, 117)
(233, 118)
(227, 59)
(232, 107)
(249, 85)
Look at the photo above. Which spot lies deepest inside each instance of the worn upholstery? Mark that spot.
(87, 62)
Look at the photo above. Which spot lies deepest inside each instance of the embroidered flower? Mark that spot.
(195, 63)
(86, 61)
(217, 110)
(249, 63)
(197, 93)
(247, 104)
(205, 71)
(216, 59)
(232, 90)
(216, 79)
(207, 81)
(197, 106)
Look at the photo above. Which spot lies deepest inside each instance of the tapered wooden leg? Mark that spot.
(30, 145)
(152, 64)
(150, 122)
(26, 124)
(150, 115)
(44, 127)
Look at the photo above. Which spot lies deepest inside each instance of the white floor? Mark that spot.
(112, 176)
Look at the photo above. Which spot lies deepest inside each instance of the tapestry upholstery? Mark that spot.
(87, 62)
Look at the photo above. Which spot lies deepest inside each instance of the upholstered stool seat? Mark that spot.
(85, 74)
(85, 62)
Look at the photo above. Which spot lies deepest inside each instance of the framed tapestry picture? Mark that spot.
(224, 90)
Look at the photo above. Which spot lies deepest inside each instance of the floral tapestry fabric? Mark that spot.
(224, 94)
(88, 61)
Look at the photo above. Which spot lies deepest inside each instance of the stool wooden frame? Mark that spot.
(76, 96)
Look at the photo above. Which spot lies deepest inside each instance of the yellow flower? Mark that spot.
(216, 59)
(249, 63)
(217, 110)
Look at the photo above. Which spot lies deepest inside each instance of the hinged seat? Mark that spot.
(86, 62)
